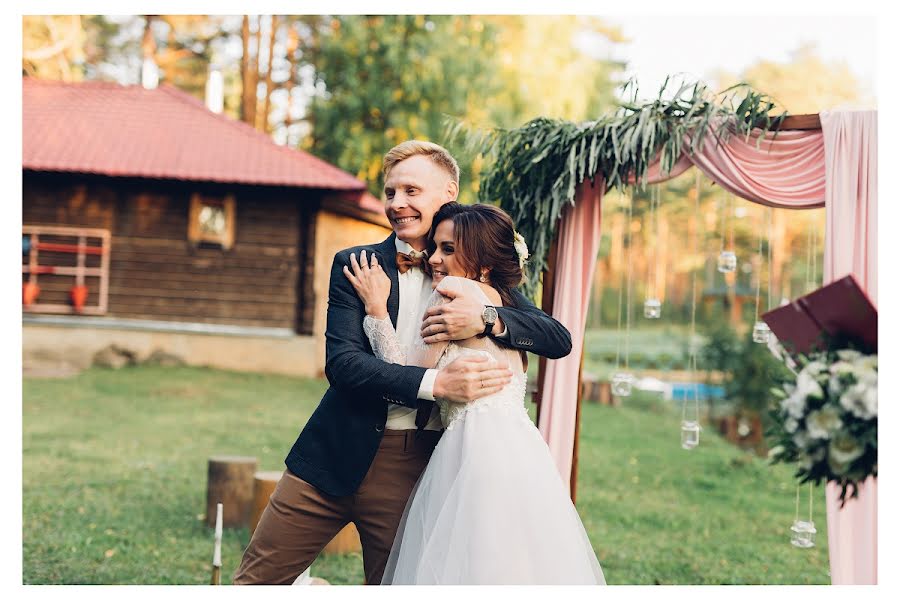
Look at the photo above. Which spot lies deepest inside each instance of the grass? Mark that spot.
(114, 484)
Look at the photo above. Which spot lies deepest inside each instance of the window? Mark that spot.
(211, 220)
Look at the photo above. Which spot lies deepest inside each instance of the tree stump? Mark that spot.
(347, 540)
(590, 388)
(230, 481)
(264, 483)
(606, 396)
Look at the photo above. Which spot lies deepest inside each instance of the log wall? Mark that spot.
(156, 273)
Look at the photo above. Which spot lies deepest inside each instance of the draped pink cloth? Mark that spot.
(851, 246)
(834, 168)
(787, 170)
(579, 242)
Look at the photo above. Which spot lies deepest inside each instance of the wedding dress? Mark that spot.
(490, 507)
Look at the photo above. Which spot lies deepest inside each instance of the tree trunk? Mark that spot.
(230, 481)
(148, 43)
(264, 126)
(248, 76)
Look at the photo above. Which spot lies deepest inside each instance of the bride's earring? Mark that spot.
(483, 278)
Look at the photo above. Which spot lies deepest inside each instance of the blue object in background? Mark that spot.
(682, 391)
(26, 244)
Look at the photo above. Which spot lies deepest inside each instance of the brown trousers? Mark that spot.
(299, 520)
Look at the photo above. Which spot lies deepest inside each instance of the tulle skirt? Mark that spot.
(491, 508)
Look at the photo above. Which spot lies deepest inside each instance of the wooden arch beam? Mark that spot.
(801, 123)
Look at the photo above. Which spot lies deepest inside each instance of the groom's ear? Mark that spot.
(452, 191)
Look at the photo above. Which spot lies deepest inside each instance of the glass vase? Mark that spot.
(727, 262)
(690, 434)
(761, 332)
(621, 383)
(652, 308)
(803, 534)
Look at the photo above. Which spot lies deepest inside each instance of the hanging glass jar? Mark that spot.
(727, 262)
(761, 332)
(803, 534)
(621, 383)
(690, 434)
(652, 308)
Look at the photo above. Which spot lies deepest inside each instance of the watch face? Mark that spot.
(490, 314)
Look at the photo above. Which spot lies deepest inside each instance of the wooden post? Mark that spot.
(573, 477)
(547, 307)
(230, 481)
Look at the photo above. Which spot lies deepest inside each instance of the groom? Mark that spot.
(363, 449)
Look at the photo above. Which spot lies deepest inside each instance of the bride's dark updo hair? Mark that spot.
(484, 237)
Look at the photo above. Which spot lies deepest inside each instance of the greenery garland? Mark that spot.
(533, 170)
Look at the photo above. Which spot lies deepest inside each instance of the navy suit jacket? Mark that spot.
(336, 447)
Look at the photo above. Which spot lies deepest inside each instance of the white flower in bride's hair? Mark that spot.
(521, 248)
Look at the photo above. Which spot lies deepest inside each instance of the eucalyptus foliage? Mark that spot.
(533, 170)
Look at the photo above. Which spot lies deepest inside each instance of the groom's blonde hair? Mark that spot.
(438, 154)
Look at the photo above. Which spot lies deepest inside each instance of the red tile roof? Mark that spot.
(129, 131)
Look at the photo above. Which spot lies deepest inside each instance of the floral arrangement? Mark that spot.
(826, 418)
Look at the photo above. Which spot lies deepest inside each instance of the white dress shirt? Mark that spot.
(415, 289)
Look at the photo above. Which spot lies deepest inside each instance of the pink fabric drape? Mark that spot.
(785, 171)
(834, 168)
(851, 246)
(579, 242)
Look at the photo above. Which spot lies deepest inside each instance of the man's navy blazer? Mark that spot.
(336, 447)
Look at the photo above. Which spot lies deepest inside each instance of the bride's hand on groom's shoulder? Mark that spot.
(469, 378)
(372, 284)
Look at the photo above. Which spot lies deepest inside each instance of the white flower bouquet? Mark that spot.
(826, 418)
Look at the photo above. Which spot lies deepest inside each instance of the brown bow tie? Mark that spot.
(407, 261)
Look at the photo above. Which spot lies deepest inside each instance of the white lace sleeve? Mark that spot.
(383, 339)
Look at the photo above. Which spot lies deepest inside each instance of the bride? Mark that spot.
(490, 508)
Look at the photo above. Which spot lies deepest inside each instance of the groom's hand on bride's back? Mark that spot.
(469, 378)
(459, 319)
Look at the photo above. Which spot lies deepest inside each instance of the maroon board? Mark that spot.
(839, 310)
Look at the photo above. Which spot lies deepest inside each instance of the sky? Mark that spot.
(699, 46)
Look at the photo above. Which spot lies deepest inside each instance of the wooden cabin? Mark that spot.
(155, 224)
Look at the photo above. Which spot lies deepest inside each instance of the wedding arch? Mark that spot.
(551, 176)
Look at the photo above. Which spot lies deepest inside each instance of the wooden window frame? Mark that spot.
(197, 236)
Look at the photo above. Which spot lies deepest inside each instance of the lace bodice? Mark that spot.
(386, 346)
(511, 399)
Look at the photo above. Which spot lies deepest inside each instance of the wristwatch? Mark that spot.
(489, 316)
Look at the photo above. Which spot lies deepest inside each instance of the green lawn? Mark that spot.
(114, 484)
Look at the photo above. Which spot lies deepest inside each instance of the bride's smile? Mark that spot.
(443, 258)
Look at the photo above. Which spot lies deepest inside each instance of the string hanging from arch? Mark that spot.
(690, 429)
(622, 380)
(652, 304)
(761, 331)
